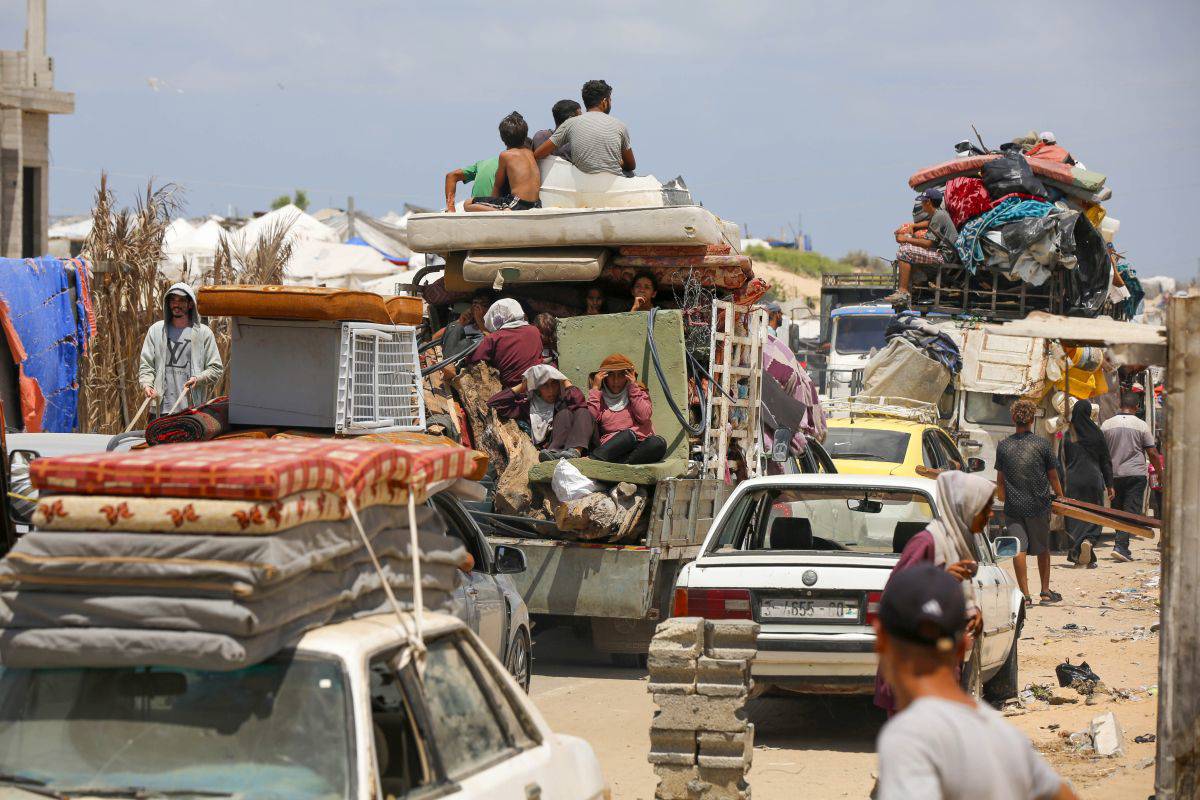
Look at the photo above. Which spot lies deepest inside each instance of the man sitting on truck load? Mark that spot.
(481, 175)
(931, 243)
(517, 169)
(599, 142)
(562, 111)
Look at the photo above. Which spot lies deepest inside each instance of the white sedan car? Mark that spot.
(343, 715)
(807, 557)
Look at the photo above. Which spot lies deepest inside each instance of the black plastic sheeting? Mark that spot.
(1011, 174)
(1087, 284)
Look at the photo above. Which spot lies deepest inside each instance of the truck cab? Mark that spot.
(855, 333)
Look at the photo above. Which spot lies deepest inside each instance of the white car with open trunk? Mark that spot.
(807, 556)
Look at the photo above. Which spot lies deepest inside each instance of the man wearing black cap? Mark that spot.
(944, 743)
(934, 244)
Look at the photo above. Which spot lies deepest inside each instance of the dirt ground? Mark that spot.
(787, 285)
(827, 744)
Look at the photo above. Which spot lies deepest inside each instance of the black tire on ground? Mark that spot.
(1005, 683)
(519, 661)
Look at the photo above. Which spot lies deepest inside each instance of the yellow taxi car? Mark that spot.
(879, 445)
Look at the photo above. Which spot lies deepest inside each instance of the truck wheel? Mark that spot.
(519, 658)
(1004, 684)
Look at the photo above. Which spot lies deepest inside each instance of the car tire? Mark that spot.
(1005, 683)
(519, 661)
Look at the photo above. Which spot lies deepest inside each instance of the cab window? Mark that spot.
(400, 757)
(459, 525)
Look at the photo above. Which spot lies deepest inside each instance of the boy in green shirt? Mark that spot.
(481, 175)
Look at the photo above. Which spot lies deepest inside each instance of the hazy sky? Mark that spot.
(770, 110)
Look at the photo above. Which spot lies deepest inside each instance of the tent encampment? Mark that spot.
(339, 266)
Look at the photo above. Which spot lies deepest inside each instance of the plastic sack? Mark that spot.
(1011, 174)
(1067, 673)
(569, 483)
(1087, 284)
(965, 198)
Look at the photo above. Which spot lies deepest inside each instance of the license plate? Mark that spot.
(818, 608)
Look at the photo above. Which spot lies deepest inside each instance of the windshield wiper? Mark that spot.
(860, 456)
(28, 784)
(136, 792)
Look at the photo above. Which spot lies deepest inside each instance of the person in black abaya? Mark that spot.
(1089, 478)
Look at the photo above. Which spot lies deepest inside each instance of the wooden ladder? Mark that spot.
(735, 363)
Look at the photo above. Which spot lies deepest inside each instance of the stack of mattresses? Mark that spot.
(215, 555)
(585, 244)
(313, 303)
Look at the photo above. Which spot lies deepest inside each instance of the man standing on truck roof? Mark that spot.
(179, 355)
(599, 142)
(481, 175)
(1130, 442)
(931, 246)
(1027, 481)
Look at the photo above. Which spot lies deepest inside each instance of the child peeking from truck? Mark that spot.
(622, 410)
(517, 168)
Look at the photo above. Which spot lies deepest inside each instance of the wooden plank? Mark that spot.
(1097, 518)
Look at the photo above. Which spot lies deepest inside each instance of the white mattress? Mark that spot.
(564, 186)
(550, 227)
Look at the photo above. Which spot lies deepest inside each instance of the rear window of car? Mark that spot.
(867, 444)
(843, 518)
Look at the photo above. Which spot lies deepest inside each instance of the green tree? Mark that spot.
(299, 200)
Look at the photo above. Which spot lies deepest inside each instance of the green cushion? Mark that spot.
(641, 474)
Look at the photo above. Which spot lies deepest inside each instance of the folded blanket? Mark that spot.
(299, 597)
(215, 566)
(98, 512)
(673, 249)
(199, 424)
(697, 261)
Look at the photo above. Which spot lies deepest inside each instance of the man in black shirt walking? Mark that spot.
(1027, 481)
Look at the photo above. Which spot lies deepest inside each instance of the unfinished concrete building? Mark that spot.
(27, 99)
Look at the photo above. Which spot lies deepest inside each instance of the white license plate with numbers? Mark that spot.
(818, 608)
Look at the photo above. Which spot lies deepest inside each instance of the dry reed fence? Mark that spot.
(125, 248)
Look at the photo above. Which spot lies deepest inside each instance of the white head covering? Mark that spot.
(1048, 136)
(541, 413)
(959, 497)
(505, 313)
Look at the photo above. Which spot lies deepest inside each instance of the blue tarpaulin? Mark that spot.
(45, 335)
(358, 240)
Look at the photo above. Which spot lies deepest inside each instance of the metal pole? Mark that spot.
(1178, 763)
(349, 217)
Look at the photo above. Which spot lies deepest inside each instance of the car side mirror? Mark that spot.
(781, 445)
(509, 560)
(1006, 546)
(975, 464)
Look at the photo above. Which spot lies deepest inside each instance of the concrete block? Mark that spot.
(723, 784)
(679, 635)
(670, 688)
(673, 747)
(735, 746)
(723, 690)
(722, 677)
(730, 634)
(676, 782)
(699, 712)
(1107, 736)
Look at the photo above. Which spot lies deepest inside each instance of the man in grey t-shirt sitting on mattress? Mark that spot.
(598, 141)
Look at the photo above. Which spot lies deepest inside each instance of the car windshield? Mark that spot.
(280, 729)
(989, 409)
(856, 519)
(866, 444)
(860, 333)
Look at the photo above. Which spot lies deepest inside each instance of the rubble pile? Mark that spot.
(700, 742)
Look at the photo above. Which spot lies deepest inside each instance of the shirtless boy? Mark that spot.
(517, 169)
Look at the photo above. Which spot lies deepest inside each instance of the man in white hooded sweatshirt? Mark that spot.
(179, 355)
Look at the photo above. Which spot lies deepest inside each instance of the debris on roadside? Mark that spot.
(1103, 737)
(1146, 738)
(1068, 673)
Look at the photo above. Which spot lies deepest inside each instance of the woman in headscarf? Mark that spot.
(1089, 478)
(554, 412)
(964, 505)
(511, 345)
(622, 410)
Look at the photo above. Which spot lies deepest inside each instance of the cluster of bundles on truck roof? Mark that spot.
(918, 362)
(215, 555)
(1024, 212)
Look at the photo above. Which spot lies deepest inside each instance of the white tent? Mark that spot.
(302, 227)
(74, 230)
(339, 266)
(375, 232)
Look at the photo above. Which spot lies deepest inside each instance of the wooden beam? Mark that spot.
(1177, 775)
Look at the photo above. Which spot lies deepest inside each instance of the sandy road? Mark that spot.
(825, 745)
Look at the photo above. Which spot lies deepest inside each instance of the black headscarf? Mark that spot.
(1089, 438)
